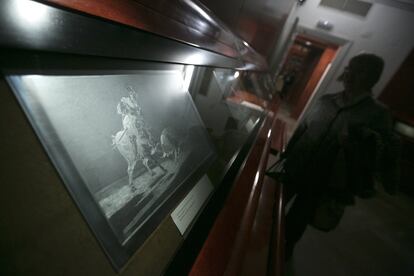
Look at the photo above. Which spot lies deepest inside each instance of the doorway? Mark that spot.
(306, 62)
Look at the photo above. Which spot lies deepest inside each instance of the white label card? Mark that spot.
(186, 211)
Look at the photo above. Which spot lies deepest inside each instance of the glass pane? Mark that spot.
(229, 108)
(123, 144)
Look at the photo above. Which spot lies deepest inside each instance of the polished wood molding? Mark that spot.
(258, 250)
(247, 236)
(277, 244)
(160, 17)
(279, 138)
(217, 250)
(241, 247)
(276, 265)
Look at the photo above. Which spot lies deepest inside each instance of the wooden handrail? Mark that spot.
(277, 252)
(279, 137)
(235, 264)
(217, 250)
(244, 239)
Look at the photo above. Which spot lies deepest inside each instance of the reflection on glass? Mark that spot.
(30, 12)
(230, 104)
(187, 76)
(134, 139)
(128, 145)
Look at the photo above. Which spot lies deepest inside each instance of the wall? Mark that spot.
(386, 31)
(398, 94)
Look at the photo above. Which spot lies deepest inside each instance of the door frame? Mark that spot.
(344, 46)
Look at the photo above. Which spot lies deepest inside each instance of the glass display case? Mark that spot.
(130, 128)
(129, 144)
(229, 108)
(125, 145)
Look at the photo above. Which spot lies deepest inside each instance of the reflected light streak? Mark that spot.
(199, 10)
(202, 26)
(31, 12)
(188, 74)
(269, 133)
(256, 179)
(194, 59)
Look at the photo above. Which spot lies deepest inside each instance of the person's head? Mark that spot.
(121, 108)
(132, 93)
(362, 72)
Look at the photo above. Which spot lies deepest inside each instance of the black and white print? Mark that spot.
(134, 139)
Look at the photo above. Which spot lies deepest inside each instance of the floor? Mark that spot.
(374, 238)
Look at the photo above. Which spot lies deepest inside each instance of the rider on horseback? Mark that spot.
(134, 134)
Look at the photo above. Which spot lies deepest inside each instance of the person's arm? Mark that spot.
(388, 167)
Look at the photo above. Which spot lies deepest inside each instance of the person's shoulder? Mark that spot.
(379, 112)
(330, 98)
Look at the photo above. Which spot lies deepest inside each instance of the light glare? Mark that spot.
(31, 12)
(256, 179)
(188, 74)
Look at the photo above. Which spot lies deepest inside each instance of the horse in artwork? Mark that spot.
(133, 141)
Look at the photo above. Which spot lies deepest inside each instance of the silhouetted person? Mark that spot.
(337, 150)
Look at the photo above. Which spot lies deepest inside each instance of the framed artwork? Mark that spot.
(128, 146)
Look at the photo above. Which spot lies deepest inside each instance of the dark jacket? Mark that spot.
(359, 132)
